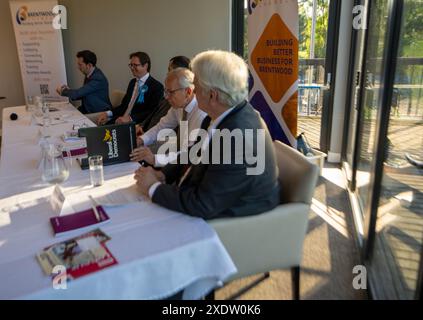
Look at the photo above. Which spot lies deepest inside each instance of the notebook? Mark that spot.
(114, 143)
(78, 222)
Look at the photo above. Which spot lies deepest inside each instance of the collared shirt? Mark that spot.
(211, 130)
(213, 125)
(171, 120)
(91, 73)
(140, 82)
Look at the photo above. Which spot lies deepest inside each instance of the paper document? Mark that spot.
(104, 196)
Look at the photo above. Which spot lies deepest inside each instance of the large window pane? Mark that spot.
(372, 91)
(399, 228)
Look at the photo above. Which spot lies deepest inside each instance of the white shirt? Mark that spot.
(211, 130)
(92, 71)
(212, 127)
(140, 82)
(171, 120)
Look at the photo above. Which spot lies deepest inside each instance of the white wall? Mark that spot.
(115, 28)
(10, 74)
(163, 28)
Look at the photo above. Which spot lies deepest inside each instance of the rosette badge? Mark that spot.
(143, 90)
(22, 14)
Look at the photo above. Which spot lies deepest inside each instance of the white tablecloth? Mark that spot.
(159, 252)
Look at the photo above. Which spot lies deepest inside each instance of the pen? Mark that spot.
(94, 207)
(96, 213)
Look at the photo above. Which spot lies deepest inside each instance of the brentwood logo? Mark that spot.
(112, 143)
(57, 17)
(22, 14)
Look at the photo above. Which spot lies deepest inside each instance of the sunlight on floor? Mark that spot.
(332, 217)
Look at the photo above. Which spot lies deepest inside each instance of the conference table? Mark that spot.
(159, 252)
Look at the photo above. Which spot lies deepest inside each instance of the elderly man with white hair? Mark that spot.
(223, 183)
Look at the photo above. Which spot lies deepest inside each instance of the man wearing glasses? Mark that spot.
(142, 96)
(179, 93)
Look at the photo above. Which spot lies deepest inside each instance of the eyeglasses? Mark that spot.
(168, 93)
(134, 65)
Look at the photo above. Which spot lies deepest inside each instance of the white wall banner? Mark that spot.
(40, 48)
(273, 56)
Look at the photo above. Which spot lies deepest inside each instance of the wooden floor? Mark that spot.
(311, 126)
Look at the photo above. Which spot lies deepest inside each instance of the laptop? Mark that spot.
(113, 142)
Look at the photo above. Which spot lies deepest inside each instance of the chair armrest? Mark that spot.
(268, 241)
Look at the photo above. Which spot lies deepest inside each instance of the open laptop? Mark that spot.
(113, 142)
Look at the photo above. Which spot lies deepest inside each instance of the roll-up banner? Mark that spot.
(39, 47)
(273, 59)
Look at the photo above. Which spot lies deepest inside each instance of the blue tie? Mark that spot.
(142, 89)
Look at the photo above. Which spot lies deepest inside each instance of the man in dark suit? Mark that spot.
(142, 96)
(230, 186)
(95, 91)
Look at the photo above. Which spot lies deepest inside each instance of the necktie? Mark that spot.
(133, 98)
(187, 168)
(184, 115)
(180, 135)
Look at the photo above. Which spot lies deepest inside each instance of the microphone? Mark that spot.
(13, 116)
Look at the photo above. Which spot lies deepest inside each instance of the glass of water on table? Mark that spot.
(96, 170)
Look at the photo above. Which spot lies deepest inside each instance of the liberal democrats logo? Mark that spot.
(107, 136)
(252, 4)
(110, 138)
(22, 14)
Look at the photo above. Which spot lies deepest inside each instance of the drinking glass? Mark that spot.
(29, 104)
(38, 106)
(96, 170)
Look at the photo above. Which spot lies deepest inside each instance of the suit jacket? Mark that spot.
(220, 190)
(94, 93)
(141, 111)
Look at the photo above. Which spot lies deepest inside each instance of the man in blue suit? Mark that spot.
(95, 91)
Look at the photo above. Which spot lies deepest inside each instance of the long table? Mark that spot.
(159, 252)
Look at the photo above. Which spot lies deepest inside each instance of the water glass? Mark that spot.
(38, 106)
(29, 104)
(96, 170)
(46, 114)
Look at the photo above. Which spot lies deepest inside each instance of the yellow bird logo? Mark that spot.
(108, 136)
